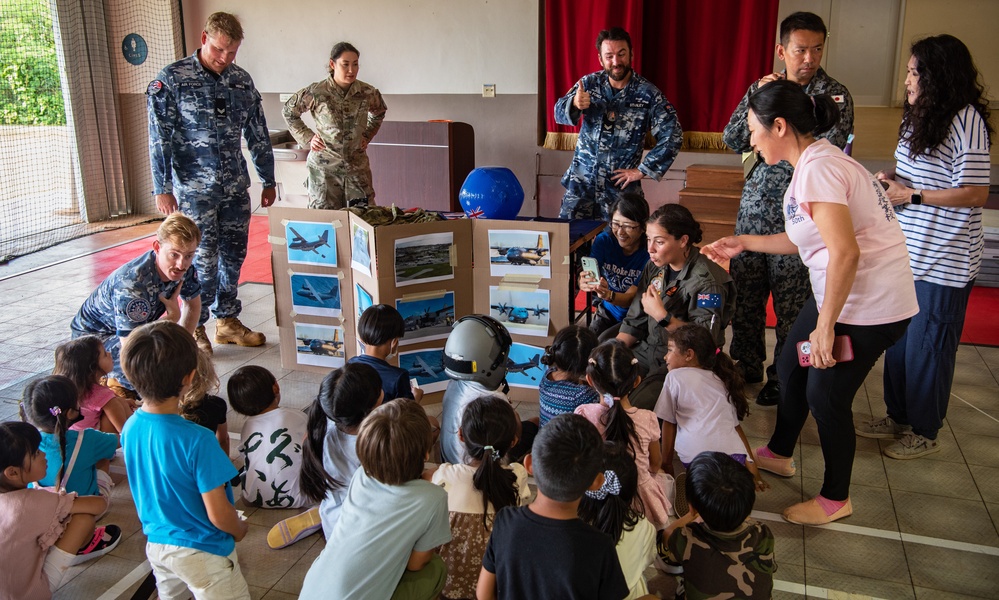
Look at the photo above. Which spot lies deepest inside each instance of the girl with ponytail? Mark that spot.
(702, 402)
(613, 371)
(476, 491)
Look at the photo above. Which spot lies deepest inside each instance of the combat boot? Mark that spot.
(201, 339)
(231, 331)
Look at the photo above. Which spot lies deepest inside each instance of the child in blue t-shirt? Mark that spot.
(178, 473)
(379, 329)
(51, 404)
(391, 520)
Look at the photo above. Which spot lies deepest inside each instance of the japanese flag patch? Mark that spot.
(154, 87)
(839, 98)
(709, 301)
(137, 310)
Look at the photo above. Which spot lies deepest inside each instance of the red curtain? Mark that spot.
(702, 54)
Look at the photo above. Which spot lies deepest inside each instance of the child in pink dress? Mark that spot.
(85, 362)
(613, 372)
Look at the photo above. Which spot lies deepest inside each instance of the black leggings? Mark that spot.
(827, 394)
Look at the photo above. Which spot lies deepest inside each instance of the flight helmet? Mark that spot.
(477, 350)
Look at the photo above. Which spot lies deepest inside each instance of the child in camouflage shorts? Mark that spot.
(728, 554)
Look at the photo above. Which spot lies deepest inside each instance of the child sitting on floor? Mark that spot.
(45, 531)
(272, 440)
(564, 386)
(200, 405)
(86, 362)
(51, 405)
(702, 402)
(728, 555)
(475, 491)
(613, 372)
(178, 474)
(379, 329)
(544, 550)
(616, 509)
(329, 460)
(391, 520)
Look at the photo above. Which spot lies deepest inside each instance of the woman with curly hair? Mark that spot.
(939, 185)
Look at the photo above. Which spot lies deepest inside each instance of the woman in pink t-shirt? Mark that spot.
(838, 219)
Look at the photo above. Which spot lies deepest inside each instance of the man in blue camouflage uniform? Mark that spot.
(143, 290)
(802, 40)
(618, 107)
(198, 109)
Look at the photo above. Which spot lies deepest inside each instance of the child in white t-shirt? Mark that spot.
(272, 440)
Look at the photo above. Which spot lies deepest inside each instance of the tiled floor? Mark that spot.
(927, 528)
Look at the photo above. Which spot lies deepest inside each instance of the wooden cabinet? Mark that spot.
(421, 163)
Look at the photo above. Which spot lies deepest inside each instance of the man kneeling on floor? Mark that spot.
(161, 283)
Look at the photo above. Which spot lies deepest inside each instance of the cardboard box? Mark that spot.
(310, 261)
(514, 283)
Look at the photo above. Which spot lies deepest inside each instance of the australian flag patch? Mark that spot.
(709, 301)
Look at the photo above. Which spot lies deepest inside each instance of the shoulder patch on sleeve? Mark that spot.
(154, 87)
(138, 310)
(839, 98)
(709, 300)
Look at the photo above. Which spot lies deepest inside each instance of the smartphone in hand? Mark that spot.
(591, 266)
(842, 350)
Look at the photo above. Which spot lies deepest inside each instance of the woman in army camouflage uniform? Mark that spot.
(348, 113)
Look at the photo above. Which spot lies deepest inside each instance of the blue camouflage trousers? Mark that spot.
(757, 276)
(225, 229)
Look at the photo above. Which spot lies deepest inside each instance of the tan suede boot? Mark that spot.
(201, 338)
(231, 331)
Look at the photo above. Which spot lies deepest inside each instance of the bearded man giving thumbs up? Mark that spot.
(618, 107)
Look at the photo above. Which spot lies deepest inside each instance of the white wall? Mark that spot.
(407, 46)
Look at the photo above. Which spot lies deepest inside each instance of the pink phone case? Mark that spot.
(842, 350)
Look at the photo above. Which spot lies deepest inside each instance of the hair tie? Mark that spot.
(491, 450)
(592, 361)
(634, 361)
(55, 411)
(611, 485)
(608, 400)
(717, 351)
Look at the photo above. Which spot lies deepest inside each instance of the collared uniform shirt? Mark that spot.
(612, 136)
(196, 120)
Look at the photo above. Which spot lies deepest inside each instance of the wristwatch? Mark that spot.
(916, 198)
(664, 322)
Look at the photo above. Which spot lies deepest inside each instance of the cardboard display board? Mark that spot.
(330, 265)
(523, 281)
(310, 261)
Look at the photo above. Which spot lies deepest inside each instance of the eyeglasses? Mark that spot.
(626, 228)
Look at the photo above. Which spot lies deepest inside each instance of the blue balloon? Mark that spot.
(491, 193)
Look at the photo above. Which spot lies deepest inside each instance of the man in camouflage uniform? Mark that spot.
(143, 290)
(348, 113)
(618, 107)
(802, 39)
(198, 109)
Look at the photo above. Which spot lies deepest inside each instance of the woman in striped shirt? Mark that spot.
(939, 185)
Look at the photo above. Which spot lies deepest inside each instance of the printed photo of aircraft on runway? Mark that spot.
(519, 253)
(311, 243)
(423, 258)
(319, 345)
(521, 312)
(317, 295)
(426, 319)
